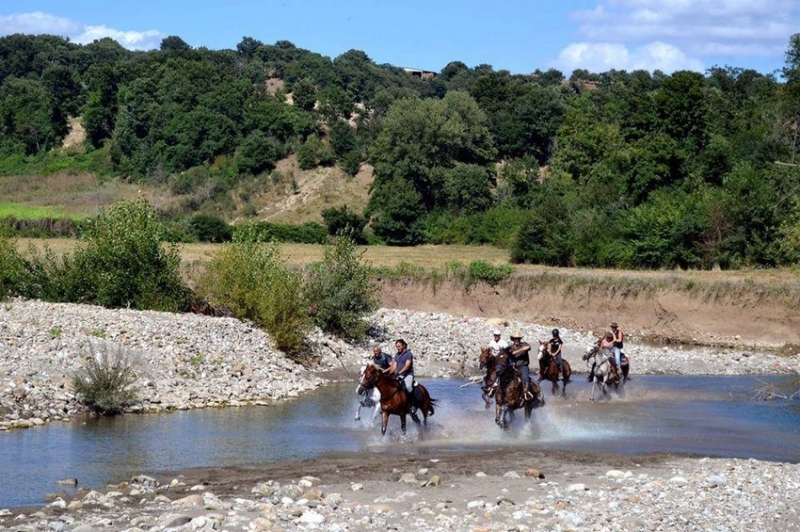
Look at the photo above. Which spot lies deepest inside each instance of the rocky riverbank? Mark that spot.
(190, 361)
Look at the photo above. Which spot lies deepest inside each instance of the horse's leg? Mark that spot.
(403, 423)
(385, 421)
(375, 412)
(358, 411)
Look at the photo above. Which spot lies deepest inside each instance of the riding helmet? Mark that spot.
(555, 332)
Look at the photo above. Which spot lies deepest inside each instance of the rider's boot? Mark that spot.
(526, 391)
(492, 390)
(560, 372)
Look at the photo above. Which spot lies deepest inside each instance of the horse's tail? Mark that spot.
(430, 407)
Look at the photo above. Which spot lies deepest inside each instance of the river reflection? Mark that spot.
(712, 416)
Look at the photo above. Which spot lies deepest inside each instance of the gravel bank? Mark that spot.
(191, 361)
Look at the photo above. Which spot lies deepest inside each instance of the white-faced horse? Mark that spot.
(598, 361)
(372, 399)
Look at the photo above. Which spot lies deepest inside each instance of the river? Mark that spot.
(709, 416)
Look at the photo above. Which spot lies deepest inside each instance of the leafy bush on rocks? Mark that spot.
(341, 289)
(251, 279)
(11, 265)
(123, 263)
(106, 382)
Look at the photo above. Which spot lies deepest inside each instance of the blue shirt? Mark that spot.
(401, 359)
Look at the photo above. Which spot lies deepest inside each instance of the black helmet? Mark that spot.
(555, 332)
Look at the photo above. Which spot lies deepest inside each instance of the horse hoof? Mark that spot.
(358, 418)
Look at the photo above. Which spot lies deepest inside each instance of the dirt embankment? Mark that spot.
(735, 313)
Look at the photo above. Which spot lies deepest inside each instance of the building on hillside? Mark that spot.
(423, 74)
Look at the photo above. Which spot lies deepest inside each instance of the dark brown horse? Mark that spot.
(488, 361)
(394, 398)
(509, 395)
(548, 369)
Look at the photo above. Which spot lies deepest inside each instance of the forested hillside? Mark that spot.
(614, 169)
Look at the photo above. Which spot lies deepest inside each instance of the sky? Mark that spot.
(520, 36)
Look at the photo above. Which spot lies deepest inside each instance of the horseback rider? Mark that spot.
(496, 345)
(520, 351)
(606, 345)
(379, 358)
(618, 337)
(554, 347)
(403, 365)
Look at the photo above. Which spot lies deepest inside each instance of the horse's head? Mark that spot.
(543, 352)
(590, 352)
(486, 357)
(369, 378)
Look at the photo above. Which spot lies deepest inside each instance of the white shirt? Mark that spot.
(497, 345)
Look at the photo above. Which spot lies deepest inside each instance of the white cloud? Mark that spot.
(682, 33)
(604, 56)
(39, 23)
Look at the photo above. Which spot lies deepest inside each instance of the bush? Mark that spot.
(123, 263)
(306, 233)
(11, 265)
(209, 228)
(105, 383)
(341, 220)
(251, 279)
(341, 290)
(480, 270)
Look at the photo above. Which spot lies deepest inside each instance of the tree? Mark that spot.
(27, 117)
(343, 221)
(174, 44)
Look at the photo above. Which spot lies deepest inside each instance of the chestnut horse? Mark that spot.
(488, 361)
(509, 395)
(548, 369)
(394, 398)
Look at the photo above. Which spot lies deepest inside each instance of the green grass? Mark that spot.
(28, 212)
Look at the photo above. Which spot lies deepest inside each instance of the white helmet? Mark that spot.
(496, 332)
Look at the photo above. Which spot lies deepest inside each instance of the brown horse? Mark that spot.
(548, 369)
(394, 398)
(488, 361)
(509, 395)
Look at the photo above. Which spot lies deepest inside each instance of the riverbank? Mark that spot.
(190, 361)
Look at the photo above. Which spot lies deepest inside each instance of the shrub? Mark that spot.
(11, 265)
(341, 220)
(123, 263)
(341, 290)
(105, 383)
(251, 279)
(306, 233)
(480, 270)
(210, 228)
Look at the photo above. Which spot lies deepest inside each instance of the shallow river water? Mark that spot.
(709, 416)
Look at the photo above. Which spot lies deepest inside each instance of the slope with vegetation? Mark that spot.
(616, 169)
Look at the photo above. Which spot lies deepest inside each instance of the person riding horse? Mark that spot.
(496, 345)
(381, 360)
(555, 347)
(403, 365)
(606, 345)
(520, 351)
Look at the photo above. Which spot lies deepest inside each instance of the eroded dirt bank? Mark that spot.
(740, 314)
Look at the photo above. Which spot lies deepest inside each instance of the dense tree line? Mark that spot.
(614, 169)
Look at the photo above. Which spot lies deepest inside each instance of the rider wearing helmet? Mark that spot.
(554, 348)
(521, 352)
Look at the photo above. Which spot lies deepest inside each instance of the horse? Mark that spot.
(394, 398)
(548, 369)
(601, 373)
(488, 361)
(372, 398)
(510, 393)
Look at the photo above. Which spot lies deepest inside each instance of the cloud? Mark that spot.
(604, 56)
(37, 23)
(683, 33)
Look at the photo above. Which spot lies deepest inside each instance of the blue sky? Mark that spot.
(516, 35)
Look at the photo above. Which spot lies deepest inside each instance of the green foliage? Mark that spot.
(106, 381)
(480, 270)
(210, 228)
(252, 280)
(306, 233)
(341, 220)
(11, 265)
(313, 152)
(122, 263)
(257, 153)
(545, 237)
(340, 289)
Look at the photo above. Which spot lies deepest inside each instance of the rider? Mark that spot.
(554, 348)
(618, 336)
(521, 352)
(403, 364)
(379, 358)
(496, 345)
(607, 347)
